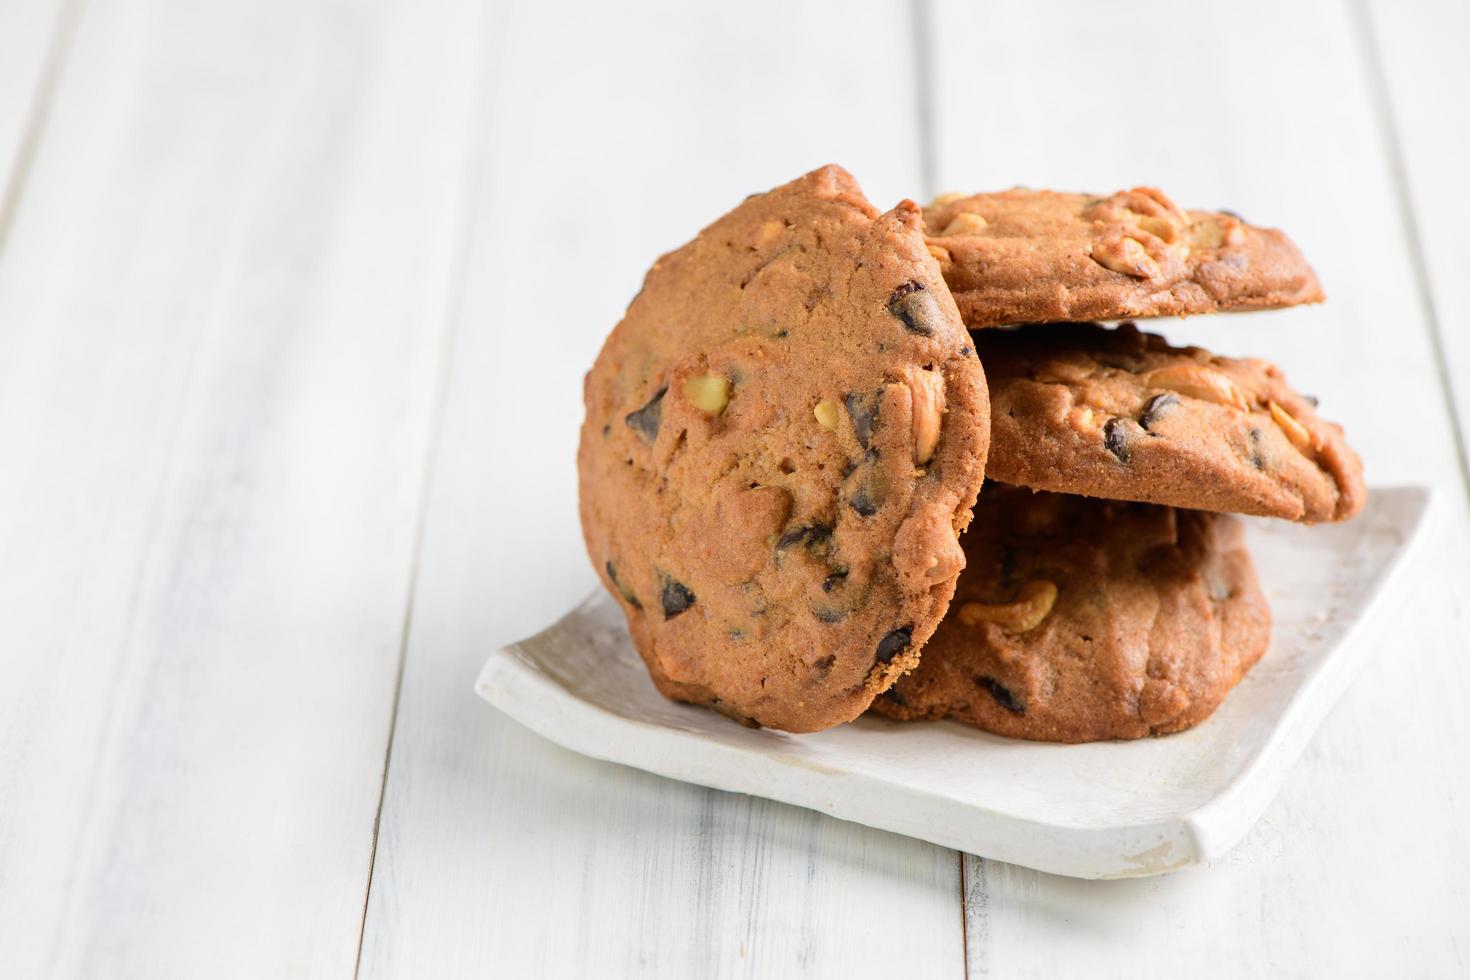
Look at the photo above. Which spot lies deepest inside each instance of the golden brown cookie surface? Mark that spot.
(1116, 413)
(783, 437)
(1024, 256)
(1081, 620)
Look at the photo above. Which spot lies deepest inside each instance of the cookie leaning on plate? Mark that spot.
(1078, 620)
(1079, 408)
(1024, 256)
(784, 436)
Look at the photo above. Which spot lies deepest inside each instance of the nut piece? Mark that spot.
(828, 413)
(1216, 231)
(1296, 433)
(1033, 603)
(939, 253)
(1207, 233)
(769, 231)
(947, 197)
(965, 223)
(1151, 200)
(928, 395)
(1125, 255)
(1199, 382)
(709, 393)
(1161, 228)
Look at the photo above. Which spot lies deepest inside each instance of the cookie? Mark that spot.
(784, 436)
(1024, 256)
(1079, 620)
(1079, 408)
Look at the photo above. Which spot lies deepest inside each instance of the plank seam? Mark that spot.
(58, 51)
(472, 183)
(964, 918)
(1364, 34)
(920, 17)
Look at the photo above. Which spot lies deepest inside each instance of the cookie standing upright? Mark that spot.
(1117, 413)
(784, 436)
(1027, 256)
(1078, 620)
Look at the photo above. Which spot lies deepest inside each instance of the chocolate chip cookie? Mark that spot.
(1024, 256)
(1079, 620)
(784, 437)
(1079, 408)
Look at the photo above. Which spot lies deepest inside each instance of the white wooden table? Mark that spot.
(295, 301)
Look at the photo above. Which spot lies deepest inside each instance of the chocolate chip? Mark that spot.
(814, 537)
(1154, 406)
(1232, 214)
(829, 615)
(965, 352)
(675, 598)
(916, 307)
(1002, 695)
(1115, 437)
(782, 334)
(795, 536)
(865, 495)
(627, 593)
(1311, 400)
(646, 420)
(826, 662)
(1255, 450)
(894, 643)
(896, 696)
(834, 580)
(864, 412)
(606, 431)
(847, 596)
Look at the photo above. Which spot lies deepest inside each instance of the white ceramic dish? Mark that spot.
(1105, 810)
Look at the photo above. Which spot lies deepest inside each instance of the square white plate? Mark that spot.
(1103, 810)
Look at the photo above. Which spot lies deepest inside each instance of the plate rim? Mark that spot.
(510, 681)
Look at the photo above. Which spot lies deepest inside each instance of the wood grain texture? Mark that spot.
(1357, 869)
(500, 852)
(230, 305)
(221, 319)
(1416, 51)
(33, 36)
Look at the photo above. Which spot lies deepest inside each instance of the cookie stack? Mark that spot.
(787, 433)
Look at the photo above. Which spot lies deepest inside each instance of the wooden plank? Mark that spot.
(1357, 868)
(500, 852)
(1416, 52)
(222, 312)
(32, 49)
